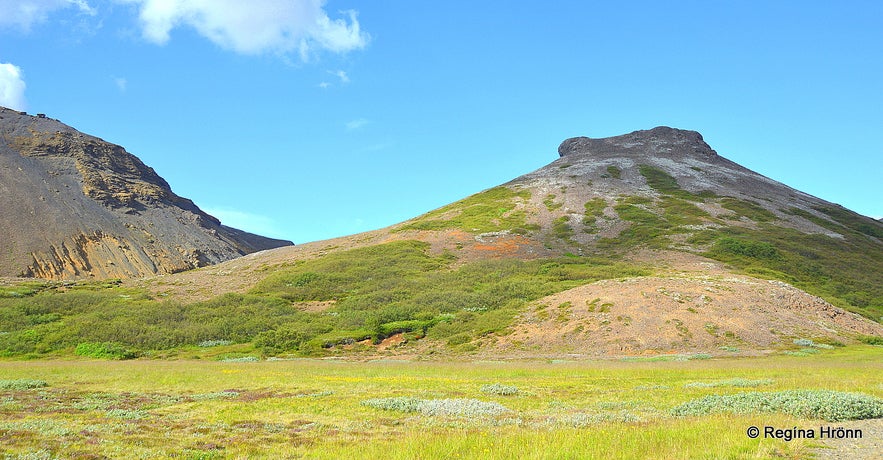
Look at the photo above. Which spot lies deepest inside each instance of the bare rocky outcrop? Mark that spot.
(711, 313)
(75, 206)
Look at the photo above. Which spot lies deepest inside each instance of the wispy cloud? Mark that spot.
(344, 78)
(121, 83)
(324, 85)
(250, 222)
(356, 124)
(25, 13)
(12, 87)
(256, 26)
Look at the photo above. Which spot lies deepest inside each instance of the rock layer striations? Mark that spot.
(74, 206)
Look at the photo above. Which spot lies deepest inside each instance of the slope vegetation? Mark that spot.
(644, 243)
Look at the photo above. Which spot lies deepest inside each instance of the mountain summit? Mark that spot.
(73, 205)
(649, 242)
(645, 243)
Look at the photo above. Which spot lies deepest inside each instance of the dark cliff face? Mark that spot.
(661, 140)
(73, 205)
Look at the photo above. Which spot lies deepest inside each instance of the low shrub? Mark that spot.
(214, 343)
(227, 394)
(833, 406)
(400, 404)
(439, 407)
(241, 359)
(499, 389)
(584, 420)
(22, 384)
(104, 350)
(736, 382)
(870, 339)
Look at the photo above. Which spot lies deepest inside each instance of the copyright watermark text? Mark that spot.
(787, 434)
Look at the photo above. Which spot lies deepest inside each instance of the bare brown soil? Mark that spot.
(686, 313)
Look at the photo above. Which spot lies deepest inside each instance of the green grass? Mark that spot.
(345, 409)
(551, 204)
(614, 172)
(853, 221)
(747, 208)
(665, 184)
(490, 210)
(374, 292)
(594, 210)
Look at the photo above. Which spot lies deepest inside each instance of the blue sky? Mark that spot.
(313, 119)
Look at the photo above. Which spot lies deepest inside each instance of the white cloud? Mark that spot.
(255, 26)
(12, 87)
(25, 13)
(356, 124)
(121, 83)
(254, 223)
(344, 78)
(324, 85)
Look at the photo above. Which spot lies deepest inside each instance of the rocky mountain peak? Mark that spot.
(659, 141)
(74, 205)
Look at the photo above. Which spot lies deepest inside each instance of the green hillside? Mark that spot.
(374, 292)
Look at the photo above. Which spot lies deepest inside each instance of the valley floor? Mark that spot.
(307, 408)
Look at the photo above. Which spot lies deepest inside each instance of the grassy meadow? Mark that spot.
(320, 408)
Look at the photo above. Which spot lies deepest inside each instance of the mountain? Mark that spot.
(708, 256)
(645, 243)
(74, 206)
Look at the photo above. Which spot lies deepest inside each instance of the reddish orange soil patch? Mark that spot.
(505, 246)
(391, 341)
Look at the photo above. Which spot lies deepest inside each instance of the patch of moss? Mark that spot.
(614, 172)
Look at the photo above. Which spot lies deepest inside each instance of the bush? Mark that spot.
(747, 248)
(104, 350)
(833, 406)
(22, 384)
(227, 394)
(214, 343)
(241, 359)
(736, 382)
(585, 420)
(499, 389)
(400, 404)
(439, 407)
(870, 339)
